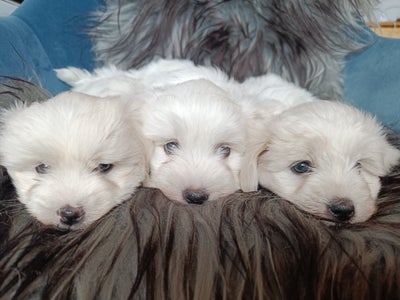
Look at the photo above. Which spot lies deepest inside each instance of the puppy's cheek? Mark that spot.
(159, 162)
(45, 199)
(24, 184)
(286, 185)
(43, 215)
(104, 194)
(40, 207)
(125, 182)
(234, 161)
(263, 180)
(273, 176)
(364, 212)
(163, 182)
(366, 207)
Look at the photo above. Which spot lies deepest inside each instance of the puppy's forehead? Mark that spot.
(67, 125)
(193, 108)
(70, 113)
(330, 127)
(326, 119)
(196, 96)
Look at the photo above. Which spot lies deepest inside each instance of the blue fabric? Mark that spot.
(22, 55)
(372, 80)
(45, 34)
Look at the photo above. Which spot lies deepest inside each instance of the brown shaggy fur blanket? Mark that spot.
(246, 246)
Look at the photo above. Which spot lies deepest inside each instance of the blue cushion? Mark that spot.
(372, 80)
(45, 34)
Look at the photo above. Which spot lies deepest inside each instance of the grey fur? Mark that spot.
(305, 41)
(18, 91)
(246, 246)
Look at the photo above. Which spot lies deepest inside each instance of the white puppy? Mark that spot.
(326, 157)
(73, 157)
(269, 92)
(198, 135)
(187, 100)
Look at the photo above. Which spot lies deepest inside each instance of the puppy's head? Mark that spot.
(72, 158)
(198, 137)
(326, 157)
(104, 82)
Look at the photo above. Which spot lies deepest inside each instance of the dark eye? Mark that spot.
(171, 147)
(224, 151)
(42, 168)
(357, 165)
(302, 167)
(103, 168)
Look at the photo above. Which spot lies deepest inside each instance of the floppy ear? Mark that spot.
(382, 159)
(248, 172)
(391, 157)
(135, 106)
(257, 143)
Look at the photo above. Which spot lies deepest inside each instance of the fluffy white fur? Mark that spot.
(73, 157)
(268, 92)
(198, 135)
(347, 153)
(198, 107)
(346, 149)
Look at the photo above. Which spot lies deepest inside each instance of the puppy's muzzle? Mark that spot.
(195, 196)
(341, 209)
(71, 215)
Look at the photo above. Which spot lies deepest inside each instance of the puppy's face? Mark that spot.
(72, 158)
(198, 137)
(327, 158)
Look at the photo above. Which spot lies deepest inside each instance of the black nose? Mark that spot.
(341, 209)
(71, 215)
(195, 196)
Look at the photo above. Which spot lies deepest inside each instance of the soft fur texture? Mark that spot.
(344, 149)
(73, 157)
(206, 116)
(304, 41)
(269, 93)
(326, 157)
(199, 135)
(246, 246)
